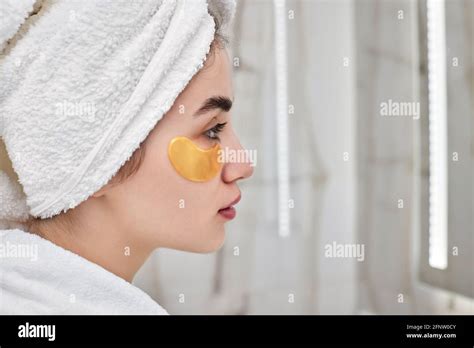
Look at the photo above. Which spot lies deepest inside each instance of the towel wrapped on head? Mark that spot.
(84, 84)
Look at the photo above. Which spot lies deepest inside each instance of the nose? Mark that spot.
(238, 163)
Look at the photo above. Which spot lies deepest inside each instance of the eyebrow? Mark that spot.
(215, 102)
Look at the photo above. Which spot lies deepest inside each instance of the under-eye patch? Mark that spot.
(192, 162)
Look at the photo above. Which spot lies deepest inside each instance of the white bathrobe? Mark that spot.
(39, 277)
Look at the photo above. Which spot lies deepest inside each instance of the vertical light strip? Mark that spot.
(438, 142)
(282, 117)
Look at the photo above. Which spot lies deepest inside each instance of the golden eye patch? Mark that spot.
(192, 162)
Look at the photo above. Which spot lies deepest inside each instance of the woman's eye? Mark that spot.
(213, 133)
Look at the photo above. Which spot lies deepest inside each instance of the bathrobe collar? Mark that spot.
(39, 277)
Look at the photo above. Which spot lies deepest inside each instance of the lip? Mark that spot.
(235, 201)
(229, 211)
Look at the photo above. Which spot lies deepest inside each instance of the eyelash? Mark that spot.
(216, 130)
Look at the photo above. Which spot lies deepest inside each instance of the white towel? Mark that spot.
(39, 277)
(85, 84)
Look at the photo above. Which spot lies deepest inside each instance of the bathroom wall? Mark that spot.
(393, 163)
(257, 271)
(356, 176)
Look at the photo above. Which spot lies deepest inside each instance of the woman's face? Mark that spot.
(162, 207)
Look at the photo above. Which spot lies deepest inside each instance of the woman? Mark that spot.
(115, 142)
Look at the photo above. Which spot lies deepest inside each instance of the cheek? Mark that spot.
(193, 163)
(175, 212)
(170, 196)
(184, 212)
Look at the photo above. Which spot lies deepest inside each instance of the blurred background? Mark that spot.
(361, 112)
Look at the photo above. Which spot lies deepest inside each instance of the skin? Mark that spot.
(121, 224)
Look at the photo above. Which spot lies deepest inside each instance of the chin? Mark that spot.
(212, 243)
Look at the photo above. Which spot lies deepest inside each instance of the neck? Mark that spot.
(100, 239)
